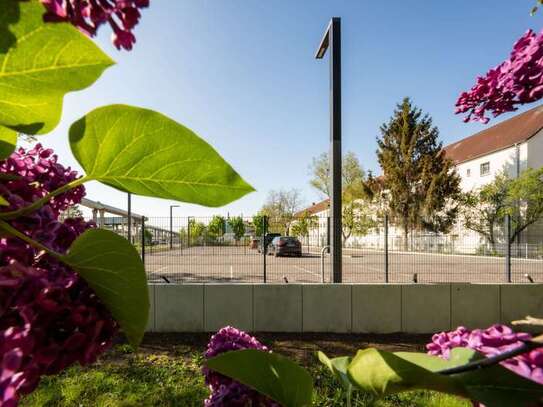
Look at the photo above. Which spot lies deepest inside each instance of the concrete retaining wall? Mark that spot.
(341, 308)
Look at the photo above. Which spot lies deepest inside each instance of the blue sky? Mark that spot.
(242, 75)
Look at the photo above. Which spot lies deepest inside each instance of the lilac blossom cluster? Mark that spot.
(516, 81)
(88, 15)
(225, 391)
(491, 342)
(50, 318)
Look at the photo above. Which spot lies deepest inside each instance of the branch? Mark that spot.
(527, 346)
(42, 201)
(16, 233)
(529, 321)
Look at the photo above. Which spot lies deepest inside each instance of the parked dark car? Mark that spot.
(285, 246)
(268, 239)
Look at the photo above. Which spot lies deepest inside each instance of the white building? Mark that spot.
(512, 145)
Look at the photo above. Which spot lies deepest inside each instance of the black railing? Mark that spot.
(198, 249)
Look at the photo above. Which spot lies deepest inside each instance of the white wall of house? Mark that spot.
(535, 151)
(472, 172)
(535, 160)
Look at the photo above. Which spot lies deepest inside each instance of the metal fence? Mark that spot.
(198, 249)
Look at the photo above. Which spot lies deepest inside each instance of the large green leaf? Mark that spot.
(457, 357)
(497, 386)
(268, 373)
(112, 267)
(8, 142)
(39, 63)
(146, 153)
(384, 373)
(381, 373)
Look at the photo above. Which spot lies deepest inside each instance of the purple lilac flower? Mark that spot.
(225, 391)
(516, 81)
(88, 15)
(490, 342)
(49, 316)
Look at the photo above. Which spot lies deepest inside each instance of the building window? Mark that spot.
(485, 168)
(468, 172)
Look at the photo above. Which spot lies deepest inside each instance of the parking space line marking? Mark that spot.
(306, 270)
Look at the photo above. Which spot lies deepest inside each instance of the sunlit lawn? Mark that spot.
(173, 378)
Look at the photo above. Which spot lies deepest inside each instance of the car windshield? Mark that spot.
(289, 239)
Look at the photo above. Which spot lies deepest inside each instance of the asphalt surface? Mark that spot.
(243, 265)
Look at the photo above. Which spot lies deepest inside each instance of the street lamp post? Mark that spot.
(171, 224)
(332, 40)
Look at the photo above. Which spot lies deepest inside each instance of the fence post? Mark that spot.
(188, 232)
(264, 246)
(386, 248)
(328, 233)
(143, 240)
(508, 247)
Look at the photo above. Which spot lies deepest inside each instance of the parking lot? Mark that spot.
(243, 265)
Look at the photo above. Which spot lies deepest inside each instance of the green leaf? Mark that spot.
(457, 357)
(146, 153)
(8, 142)
(113, 269)
(338, 367)
(268, 373)
(39, 63)
(497, 386)
(3, 202)
(381, 373)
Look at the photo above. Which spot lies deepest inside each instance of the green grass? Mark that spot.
(127, 379)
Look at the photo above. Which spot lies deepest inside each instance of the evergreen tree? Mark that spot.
(420, 183)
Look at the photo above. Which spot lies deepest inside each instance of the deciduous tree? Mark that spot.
(280, 208)
(485, 208)
(197, 231)
(216, 227)
(238, 227)
(352, 173)
(304, 224)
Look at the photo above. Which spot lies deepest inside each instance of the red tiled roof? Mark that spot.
(314, 208)
(515, 130)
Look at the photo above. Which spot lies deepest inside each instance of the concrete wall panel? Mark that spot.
(277, 308)
(179, 308)
(151, 320)
(326, 308)
(228, 305)
(520, 300)
(475, 305)
(426, 308)
(377, 308)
